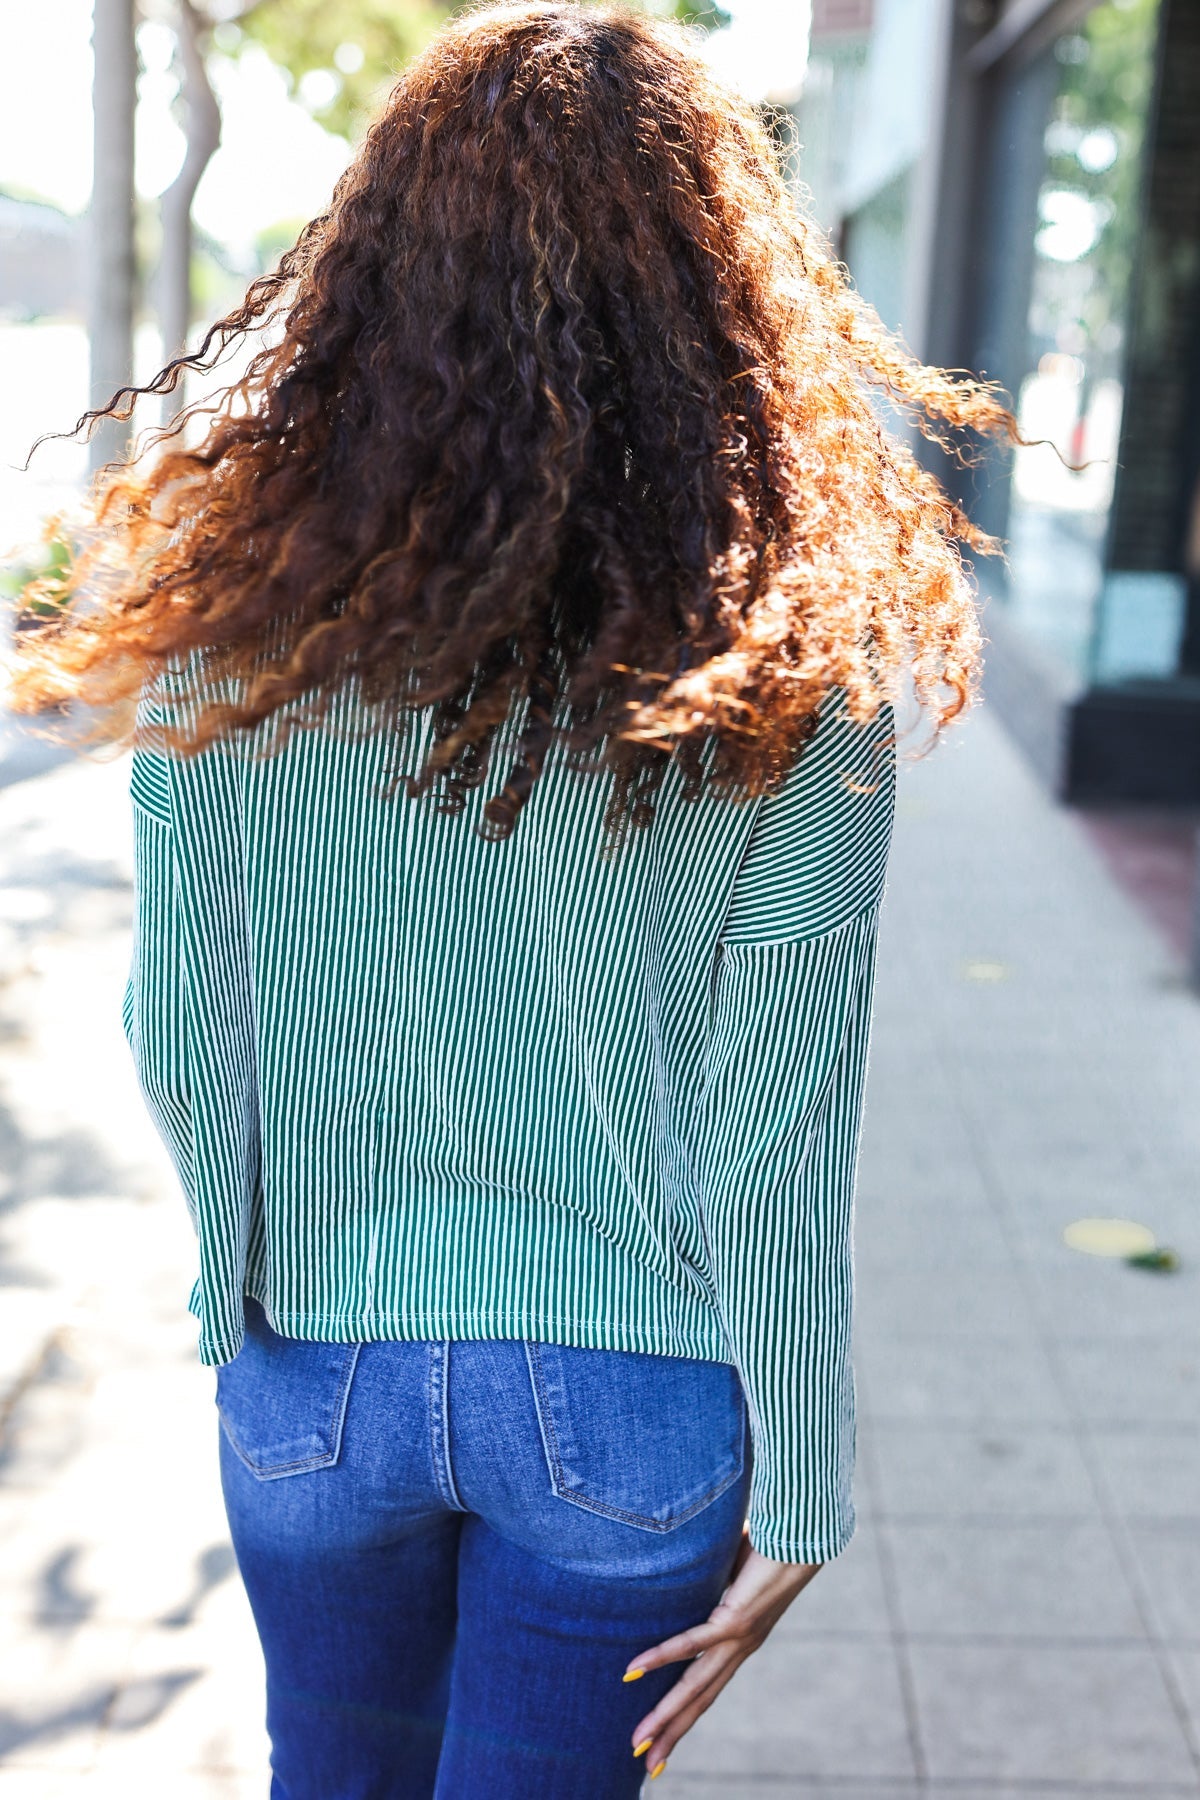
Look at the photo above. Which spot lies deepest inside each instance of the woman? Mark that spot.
(513, 780)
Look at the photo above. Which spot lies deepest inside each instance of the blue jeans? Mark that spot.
(452, 1551)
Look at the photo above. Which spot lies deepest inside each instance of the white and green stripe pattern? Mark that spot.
(420, 1085)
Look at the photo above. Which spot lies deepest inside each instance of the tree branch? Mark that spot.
(203, 131)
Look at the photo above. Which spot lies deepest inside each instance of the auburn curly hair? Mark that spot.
(562, 406)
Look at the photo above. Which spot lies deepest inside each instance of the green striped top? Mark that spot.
(420, 1085)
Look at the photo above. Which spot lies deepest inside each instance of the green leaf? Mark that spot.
(311, 37)
(1160, 1260)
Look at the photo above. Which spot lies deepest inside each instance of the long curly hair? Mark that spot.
(562, 412)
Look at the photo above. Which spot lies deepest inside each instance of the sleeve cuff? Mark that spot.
(781, 1545)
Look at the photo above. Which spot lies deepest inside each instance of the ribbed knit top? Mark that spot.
(420, 1085)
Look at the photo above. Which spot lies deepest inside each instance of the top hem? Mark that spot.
(367, 1327)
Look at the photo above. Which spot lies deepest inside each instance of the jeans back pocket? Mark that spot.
(647, 1440)
(283, 1401)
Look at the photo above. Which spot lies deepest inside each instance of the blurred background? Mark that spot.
(1015, 185)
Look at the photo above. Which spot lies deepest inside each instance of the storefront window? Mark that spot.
(1097, 79)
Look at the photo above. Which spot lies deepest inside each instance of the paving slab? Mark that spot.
(1039, 1713)
(200, 1687)
(1001, 1471)
(1063, 1581)
(673, 1786)
(848, 1596)
(1165, 1564)
(208, 1784)
(1153, 1381)
(936, 1229)
(990, 1299)
(57, 1692)
(1150, 1472)
(1185, 1669)
(807, 1708)
(676, 1786)
(1005, 1379)
(1094, 1297)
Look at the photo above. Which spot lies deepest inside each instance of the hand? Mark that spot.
(759, 1593)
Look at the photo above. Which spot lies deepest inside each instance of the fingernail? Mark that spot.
(641, 1749)
(633, 1675)
(657, 1770)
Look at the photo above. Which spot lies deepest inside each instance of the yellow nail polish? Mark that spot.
(633, 1675)
(657, 1770)
(641, 1749)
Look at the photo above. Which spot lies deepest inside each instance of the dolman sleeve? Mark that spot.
(777, 1126)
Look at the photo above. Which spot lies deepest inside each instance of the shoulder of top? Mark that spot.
(817, 856)
(843, 755)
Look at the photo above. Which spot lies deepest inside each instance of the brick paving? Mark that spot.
(1019, 1612)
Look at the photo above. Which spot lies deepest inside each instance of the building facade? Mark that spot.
(1015, 184)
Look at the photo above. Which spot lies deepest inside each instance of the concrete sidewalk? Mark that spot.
(1019, 1612)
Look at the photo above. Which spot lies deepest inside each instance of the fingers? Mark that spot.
(686, 1644)
(692, 1695)
(709, 1671)
(759, 1592)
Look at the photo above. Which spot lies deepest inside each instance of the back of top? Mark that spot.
(418, 1084)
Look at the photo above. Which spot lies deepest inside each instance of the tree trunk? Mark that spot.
(112, 271)
(203, 130)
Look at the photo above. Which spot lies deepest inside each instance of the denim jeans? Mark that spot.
(452, 1551)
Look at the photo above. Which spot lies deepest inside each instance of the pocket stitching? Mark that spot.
(585, 1502)
(305, 1464)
